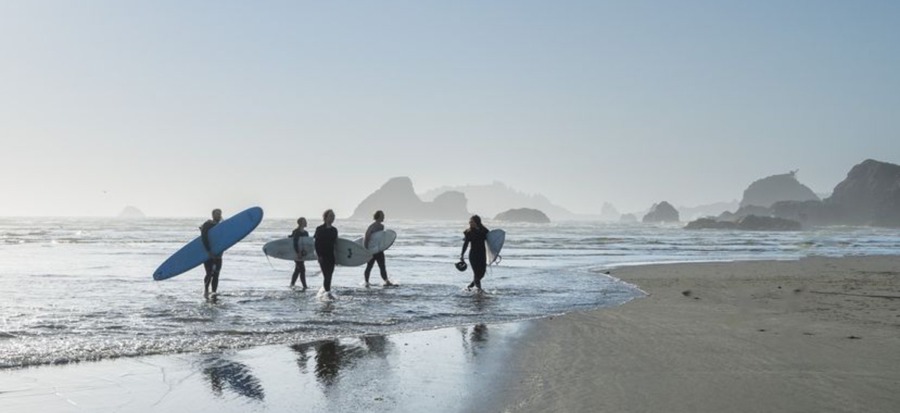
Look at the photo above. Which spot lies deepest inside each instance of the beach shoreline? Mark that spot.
(812, 335)
(816, 334)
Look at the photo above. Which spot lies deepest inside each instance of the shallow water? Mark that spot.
(81, 289)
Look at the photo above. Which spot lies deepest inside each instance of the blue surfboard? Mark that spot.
(221, 237)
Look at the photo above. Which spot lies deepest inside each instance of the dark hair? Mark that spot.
(377, 213)
(327, 211)
(303, 219)
(477, 220)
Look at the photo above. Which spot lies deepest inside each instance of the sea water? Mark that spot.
(81, 289)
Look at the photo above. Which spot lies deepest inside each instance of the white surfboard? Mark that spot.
(283, 248)
(350, 254)
(379, 241)
(494, 242)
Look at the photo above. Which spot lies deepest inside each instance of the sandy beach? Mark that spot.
(815, 335)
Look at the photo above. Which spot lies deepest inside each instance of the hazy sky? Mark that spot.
(177, 107)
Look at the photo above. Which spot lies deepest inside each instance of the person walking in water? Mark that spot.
(477, 236)
(326, 237)
(214, 264)
(299, 265)
(379, 256)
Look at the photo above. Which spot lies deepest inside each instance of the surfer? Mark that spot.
(379, 256)
(476, 235)
(326, 236)
(299, 266)
(214, 264)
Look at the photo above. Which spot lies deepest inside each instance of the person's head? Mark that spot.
(328, 216)
(217, 215)
(475, 222)
(379, 216)
(301, 222)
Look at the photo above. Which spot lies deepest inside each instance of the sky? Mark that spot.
(178, 107)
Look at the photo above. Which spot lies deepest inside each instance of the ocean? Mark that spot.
(80, 289)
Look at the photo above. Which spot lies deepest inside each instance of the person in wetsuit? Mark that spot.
(377, 257)
(326, 236)
(299, 265)
(214, 264)
(477, 236)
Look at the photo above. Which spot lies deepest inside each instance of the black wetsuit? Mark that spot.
(325, 240)
(299, 266)
(478, 253)
(377, 257)
(212, 265)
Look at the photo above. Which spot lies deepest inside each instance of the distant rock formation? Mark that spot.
(707, 210)
(628, 219)
(609, 212)
(398, 200)
(523, 215)
(772, 189)
(870, 195)
(744, 211)
(490, 200)
(661, 212)
(747, 223)
(809, 213)
(130, 212)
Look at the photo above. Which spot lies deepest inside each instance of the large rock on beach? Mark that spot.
(528, 215)
(661, 212)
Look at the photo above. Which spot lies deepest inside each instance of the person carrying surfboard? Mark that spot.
(476, 234)
(378, 256)
(299, 266)
(326, 236)
(214, 264)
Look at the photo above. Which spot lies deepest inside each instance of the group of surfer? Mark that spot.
(326, 236)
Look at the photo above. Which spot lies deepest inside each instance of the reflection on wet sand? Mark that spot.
(474, 338)
(332, 356)
(237, 377)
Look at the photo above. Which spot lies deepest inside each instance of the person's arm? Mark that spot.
(296, 236)
(204, 237)
(465, 247)
(368, 235)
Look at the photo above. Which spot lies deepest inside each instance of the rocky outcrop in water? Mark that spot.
(492, 199)
(130, 212)
(772, 189)
(870, 195)
(747, 223)
(528, 215)
(398, 200)
(628, 219)
(661, 212)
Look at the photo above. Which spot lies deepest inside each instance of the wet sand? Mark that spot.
(815, 335)
(444, 370)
